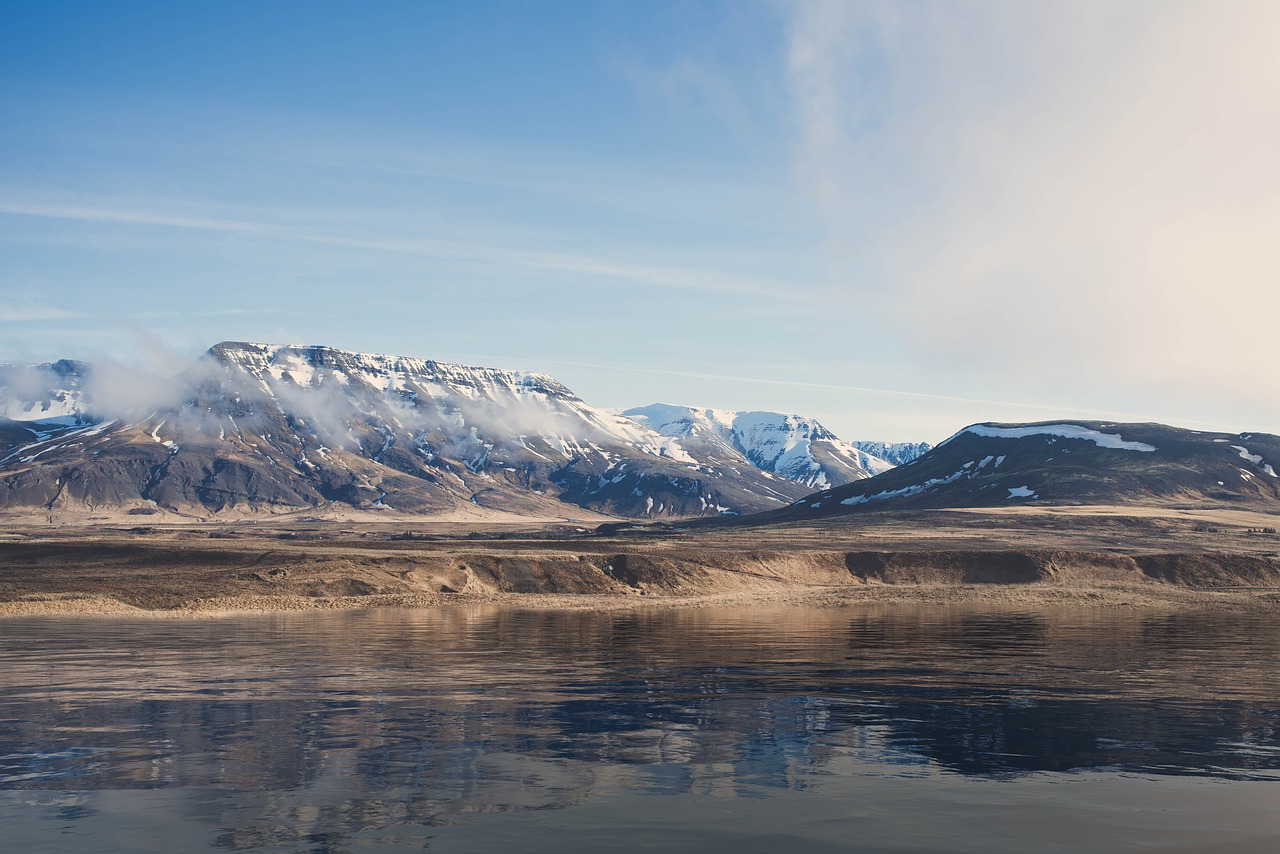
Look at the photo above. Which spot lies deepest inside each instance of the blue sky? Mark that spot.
(899, 218)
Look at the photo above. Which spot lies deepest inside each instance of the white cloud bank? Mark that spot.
(1086, 192)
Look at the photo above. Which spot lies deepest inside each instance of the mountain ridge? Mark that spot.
(277, 428)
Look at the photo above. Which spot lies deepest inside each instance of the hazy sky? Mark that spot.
(897, 217)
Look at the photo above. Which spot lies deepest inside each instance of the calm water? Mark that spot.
(896, 729)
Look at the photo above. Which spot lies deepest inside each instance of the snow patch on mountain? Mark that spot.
(468, 405)
(1256, 459)
(908, 491)
(1066, 431)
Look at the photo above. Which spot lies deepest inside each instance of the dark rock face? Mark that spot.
(1000, 465)
(947, 567)
(258, 428)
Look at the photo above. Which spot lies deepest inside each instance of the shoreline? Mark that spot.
(1031, 596)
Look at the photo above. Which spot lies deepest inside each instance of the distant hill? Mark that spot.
(1086, 462)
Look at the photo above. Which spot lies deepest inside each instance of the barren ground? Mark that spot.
(1131, 557)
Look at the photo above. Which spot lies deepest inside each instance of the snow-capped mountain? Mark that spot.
(791, 446)
(897, 453)
(270, 428)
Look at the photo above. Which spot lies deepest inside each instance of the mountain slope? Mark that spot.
(791, 446)
(264, 428)
(1000, 465)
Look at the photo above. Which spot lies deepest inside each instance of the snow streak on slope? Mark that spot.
(1256, 459)
(1066, 431)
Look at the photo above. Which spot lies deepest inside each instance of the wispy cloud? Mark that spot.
(1084, 193)
(223, 312)
(691, 87)
(871, 391)
(580, 265)
(30, 312)
(128, 217)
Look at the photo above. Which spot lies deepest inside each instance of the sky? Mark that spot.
(899, 218)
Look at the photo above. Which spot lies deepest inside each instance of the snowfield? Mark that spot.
(1065, 431)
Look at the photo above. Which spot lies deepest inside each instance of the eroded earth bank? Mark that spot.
(1220, 559)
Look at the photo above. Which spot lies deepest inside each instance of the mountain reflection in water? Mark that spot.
(389, 730)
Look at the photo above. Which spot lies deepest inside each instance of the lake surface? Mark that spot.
(477, 729)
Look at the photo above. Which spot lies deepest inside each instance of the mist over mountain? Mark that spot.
(43, 392)
(253, 428)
